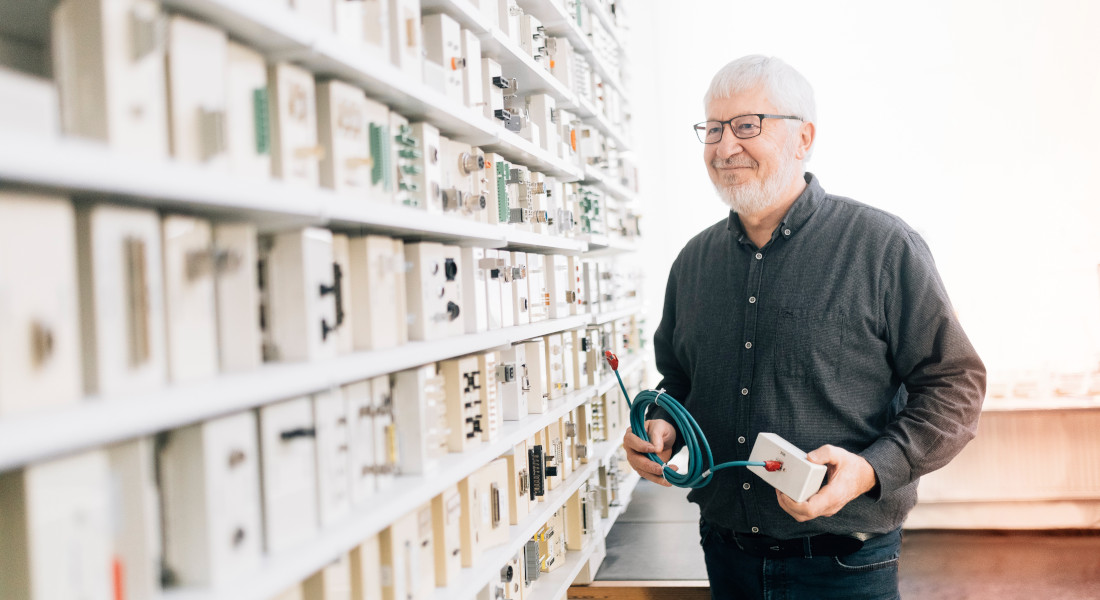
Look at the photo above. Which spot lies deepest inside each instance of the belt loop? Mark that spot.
(807, 547)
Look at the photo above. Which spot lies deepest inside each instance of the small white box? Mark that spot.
(493, 417)
(109, 62)
(377, 277)
(510, 15)
(560, 52)
(403, 149)
(122, 307)
(506, 276)
(41, 525)
(330, 415)
(341, 273)
(427, 192)
(493, 86)
(296, 153)
(521, 304)
(376, 29)
(538, 396)
(485, 509)
(420, 415)
(349, 23)
(471, 75)
(299, 294)
(403, 571)
(519, 483)
(513, 390)
(466, 418)
(541, 108)
(496, 270)
(345, 135)
(383, 171)
(135, 504)
(210, 490)
(443, 46)
(189, 270)
(475, 276)
(580, 516)
(798, 478)
(490, 12)
(433, 291)
(405, 37)
(240, 341)
(447, 532)
(197, 62)
(532, 40)
(537, 289)
(366, 570)
(461, 165)
(247, 112)
(591, 279)
(568, 355)
(28, 105)
(288, 473)
(39, 328)
(362, 463)
(555, 366)
(387, 443)
(561, 295)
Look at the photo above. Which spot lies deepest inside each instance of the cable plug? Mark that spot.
(611, 360)
(772, 465)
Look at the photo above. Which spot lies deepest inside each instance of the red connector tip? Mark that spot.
(611, 360)
(772, 465)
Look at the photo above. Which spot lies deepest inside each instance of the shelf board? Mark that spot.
(615, 315)
(605, 18)
(98, 421)
(588, 112)
(594, 175)
(531, 76)
(600, 245)
(462, 11)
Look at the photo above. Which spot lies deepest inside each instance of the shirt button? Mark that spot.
(746, 486)
(752, 299)
(756, 530)
(786, 232)
(744, 391)
(741, 440)
(759, 256)
(748, 344)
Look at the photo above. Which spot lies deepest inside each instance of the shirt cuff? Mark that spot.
(891, 467)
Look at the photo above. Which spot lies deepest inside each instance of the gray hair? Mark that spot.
(787, 89)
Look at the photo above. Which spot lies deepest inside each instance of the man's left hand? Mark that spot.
(849, 476)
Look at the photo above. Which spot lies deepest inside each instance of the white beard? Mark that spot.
(757, 196)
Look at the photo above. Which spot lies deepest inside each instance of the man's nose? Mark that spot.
(729, 145)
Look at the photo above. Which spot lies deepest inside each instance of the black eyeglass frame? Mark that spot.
(700, 132)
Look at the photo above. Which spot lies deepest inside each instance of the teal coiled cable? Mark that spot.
(701, 467)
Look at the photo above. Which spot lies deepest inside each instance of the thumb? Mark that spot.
(658, 443)
(820, 456)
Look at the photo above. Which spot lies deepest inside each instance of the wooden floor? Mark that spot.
(641, 590)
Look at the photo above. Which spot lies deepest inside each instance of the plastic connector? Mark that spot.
(612, 360)
(772, 465)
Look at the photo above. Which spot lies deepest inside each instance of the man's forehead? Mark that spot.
(739, 103)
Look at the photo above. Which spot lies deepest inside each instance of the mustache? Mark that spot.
(733, 161)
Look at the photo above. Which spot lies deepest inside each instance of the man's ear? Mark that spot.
(806, 140)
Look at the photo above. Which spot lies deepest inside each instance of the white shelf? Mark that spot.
(615, 315)
(99, 421)
(559, 23)
(588, 112)
(530, 75)
(604, 17)
(281, 571)
(462, 11)
(626, 490)
(594, 175)
(603, 245)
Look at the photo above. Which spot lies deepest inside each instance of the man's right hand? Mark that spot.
(662, 436)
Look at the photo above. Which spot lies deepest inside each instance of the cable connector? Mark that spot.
(772, 465)
(611, 360)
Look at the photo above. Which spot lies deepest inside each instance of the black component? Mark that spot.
(337, 289)
(536, 466)
(450, 269)
(291, 434)
(452, 310)
(507, 574)
(501, 82)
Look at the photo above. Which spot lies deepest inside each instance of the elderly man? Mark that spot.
(822, 320)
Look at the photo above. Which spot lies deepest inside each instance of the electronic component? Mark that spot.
(362, 464)
(561, 55)
(247, 112)
(366, 564)
(404, 149)
(521, 305)
(387, 443)
(496, 269)
(122, 299)
(330, 416)
(197, 58)
(509, 19)
(40, 525)
(433, 291)
(537, 289)
(511, 578)
(40, 360)
(551, 541)
(344, 134)
(532, 40)
(301, 295)
(190, 264)
(580, 518)
(537, 469)
(538, 394)
(541, 109)
(420, 415)
(561, 293)
(383, 154)
(519, 482)
(378, 292)
(405, 37)
(296, 154)
(466, 419)
(445, 62)
(555, 366)
(341, 273)
(490, 397)
(136, 536)
(109, 62)
(425, 168)
(485, 518)
(493, 87)
(401, 560)
(555, 454)
(288, 473)
(796, 476)
(531, 567)
(237, 296)
(584, 438)
(462, 171)
(447, 533)
(515, 383)
(475, 275)
(209, 542)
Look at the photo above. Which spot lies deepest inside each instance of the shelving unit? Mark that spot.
(90, 172)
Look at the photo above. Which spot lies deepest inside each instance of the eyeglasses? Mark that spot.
(743, 127)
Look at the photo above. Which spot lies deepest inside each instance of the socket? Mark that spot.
(799, 478)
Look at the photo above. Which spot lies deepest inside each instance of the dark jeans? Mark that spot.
(870, 573)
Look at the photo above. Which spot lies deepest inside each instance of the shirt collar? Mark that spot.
(796, 216)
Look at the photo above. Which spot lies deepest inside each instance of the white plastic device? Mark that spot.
(799, 478)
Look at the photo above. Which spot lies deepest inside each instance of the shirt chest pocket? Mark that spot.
(810, 342)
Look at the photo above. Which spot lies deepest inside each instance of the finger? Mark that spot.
(658, 441)
(824, 455)
(641, 463)
(658, 479)
(633, 442)
(795, 509)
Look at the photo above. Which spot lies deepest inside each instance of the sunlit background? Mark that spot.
(976, 122)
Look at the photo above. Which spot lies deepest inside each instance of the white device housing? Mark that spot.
(471, 75)
(247, 112)
(39, 328)
(443, 49)
(240, 341)
(197, 62)
(799, 478)
(189, 270)
(521, 304)
(378, 272)
(420, 414)
(299, 295)
(360, 423)
(136, 532)
(537, 290)
(405, 37)
(475, 276)
(296, 154)
(513, 392)
(330, 416)
(28, 105)
(288, 473)
(345, 135)
(427, 178)
(446, 529)
(210, 493)
(383, 171)
(538, 396)
(108, 59)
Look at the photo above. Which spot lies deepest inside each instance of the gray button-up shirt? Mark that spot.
(838, 331)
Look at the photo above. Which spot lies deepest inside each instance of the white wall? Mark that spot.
(974, 121)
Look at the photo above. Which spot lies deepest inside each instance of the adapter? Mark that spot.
(799, 478)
